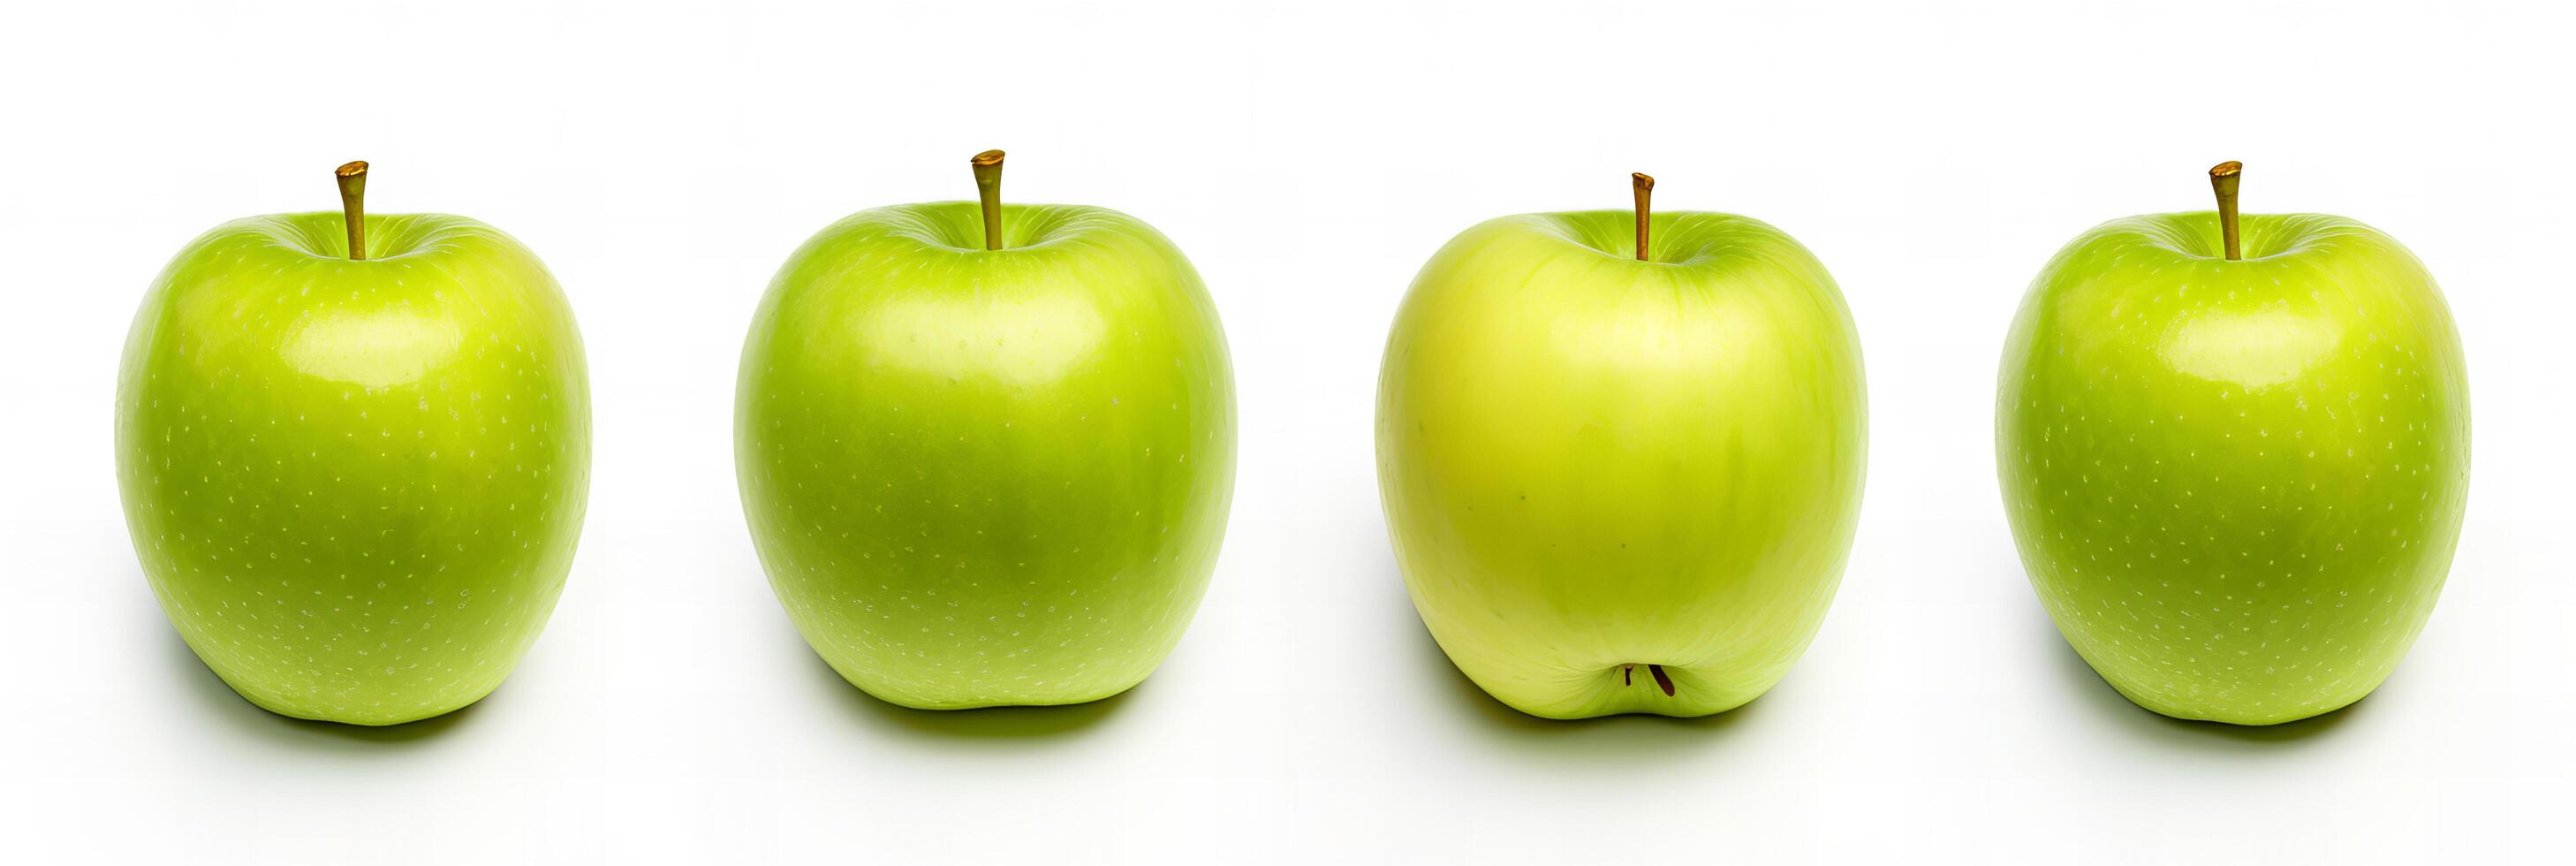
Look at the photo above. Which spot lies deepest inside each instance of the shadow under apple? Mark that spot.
(228, 708)
(1024, 725)
(2096, 693)
(1628, 738)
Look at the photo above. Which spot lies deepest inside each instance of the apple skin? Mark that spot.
(1590, 462)
(355, 486)
(2236, 485)
(982, 478)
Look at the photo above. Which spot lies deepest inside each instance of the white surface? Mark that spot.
(1308, 156)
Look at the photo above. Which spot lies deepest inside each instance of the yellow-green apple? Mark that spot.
(1622, 470)
(2235, 454)
(986, 452)
(354, 452)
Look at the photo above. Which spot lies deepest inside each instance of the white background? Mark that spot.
(664, 158)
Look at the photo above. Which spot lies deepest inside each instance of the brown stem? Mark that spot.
(1645, 190)
(988, 186)
(2223, 179)
(1661, 679)
(353, 205)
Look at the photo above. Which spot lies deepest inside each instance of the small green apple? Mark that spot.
(986, 454)
(2235, 458)
(355, 483)
(1619, 481)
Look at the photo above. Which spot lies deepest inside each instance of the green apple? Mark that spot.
(355, 483)
(987, 452)
(1622, 482)
(2235, 457)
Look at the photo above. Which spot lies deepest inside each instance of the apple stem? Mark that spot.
(988, 186)
(2223, 179)
(353, 205)
(1661, 679)
(1645, 213)
(1627, 675)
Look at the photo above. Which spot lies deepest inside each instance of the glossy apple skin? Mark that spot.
(355, 486)
(1590, 462)
(984, 478)
(2236, 485)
